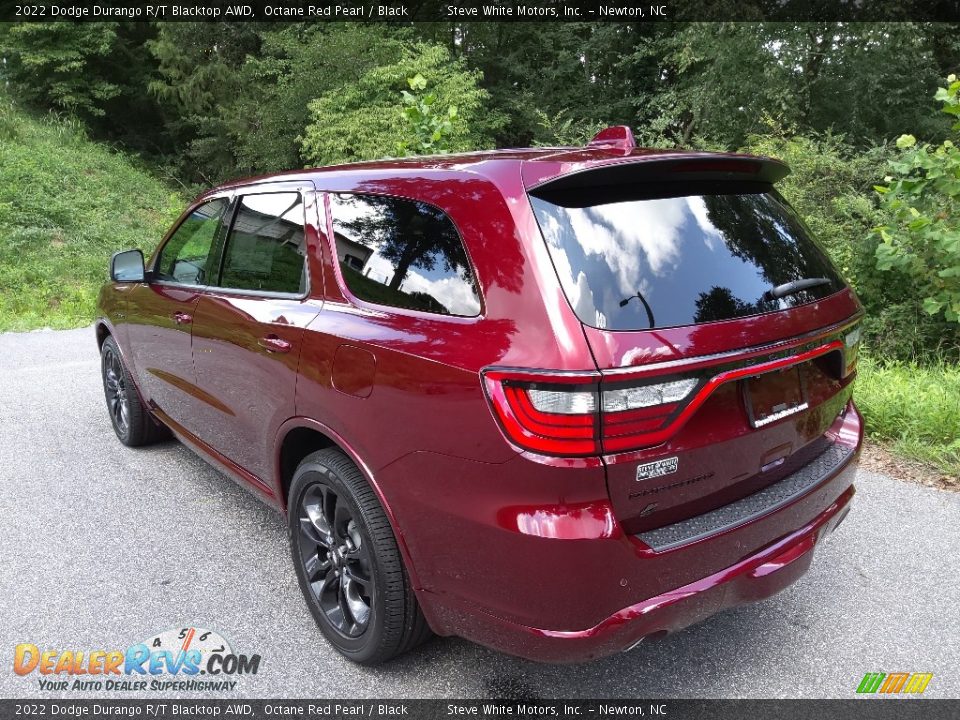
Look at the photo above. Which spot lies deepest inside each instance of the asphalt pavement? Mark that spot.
(103, 546)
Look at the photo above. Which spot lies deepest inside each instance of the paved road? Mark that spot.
(104, 546)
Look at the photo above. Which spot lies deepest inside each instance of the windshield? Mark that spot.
(629, 262)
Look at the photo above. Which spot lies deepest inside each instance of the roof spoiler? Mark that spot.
(665, 167)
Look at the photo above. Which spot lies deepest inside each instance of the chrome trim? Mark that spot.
(789, 343)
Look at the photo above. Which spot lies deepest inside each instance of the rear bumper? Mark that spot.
(758, 576)
(576, 588)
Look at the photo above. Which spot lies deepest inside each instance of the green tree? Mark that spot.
(922, 195)
(713, 80)
(713, 83)
(198, 78)
(431, 125)
(364, 120)
(574, 70)
(51, 65)
(296, 64)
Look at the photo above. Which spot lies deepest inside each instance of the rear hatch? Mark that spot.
(724, 336)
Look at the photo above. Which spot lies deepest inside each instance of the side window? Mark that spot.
(266, 247)
(403, 253)
(185, 257)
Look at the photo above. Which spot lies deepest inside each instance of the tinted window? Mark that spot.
(403, 253)
(266, 247)
(629, 263)
(186, 256)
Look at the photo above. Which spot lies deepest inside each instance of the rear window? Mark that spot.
(629, 261)
(403, 253)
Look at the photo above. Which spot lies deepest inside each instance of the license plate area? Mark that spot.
(775, 395)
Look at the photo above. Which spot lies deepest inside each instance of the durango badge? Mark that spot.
(657, 468)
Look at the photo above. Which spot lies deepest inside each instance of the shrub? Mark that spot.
(830, 185)
(365, 120)
(922, 197)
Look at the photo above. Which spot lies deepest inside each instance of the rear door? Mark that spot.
(249, 324)
(717, 324)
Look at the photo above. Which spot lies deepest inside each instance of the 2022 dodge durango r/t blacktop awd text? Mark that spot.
(554, 401)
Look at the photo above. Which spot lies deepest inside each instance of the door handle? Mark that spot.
(272, 343)
(182, 318)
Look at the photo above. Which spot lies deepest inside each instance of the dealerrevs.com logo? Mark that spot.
(180, 659)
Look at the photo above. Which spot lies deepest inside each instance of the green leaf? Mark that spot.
(906, 141)
(931, 306)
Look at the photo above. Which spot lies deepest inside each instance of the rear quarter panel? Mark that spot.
(426, 392)
(421, 424)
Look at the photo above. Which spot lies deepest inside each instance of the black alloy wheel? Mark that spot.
(336, 560)
(132, 422)
(348, 563)
(114, 385)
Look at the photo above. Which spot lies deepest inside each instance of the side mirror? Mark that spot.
(127, 266)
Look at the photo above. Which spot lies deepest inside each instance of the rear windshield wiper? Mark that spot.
(793, 287)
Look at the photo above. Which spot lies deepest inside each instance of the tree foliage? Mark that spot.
(430, 123)
(922, 196)
(297, 64)
(203, 102)
(719, 80)
(365, 120)
(54, 64)
(197, 79)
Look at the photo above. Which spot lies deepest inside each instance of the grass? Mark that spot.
(66, 204)
(914, 409)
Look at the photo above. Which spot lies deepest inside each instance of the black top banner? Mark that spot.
(406, 11)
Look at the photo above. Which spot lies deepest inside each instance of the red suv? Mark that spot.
(556, 401)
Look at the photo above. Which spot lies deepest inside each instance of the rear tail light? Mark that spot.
(576, 415)
(634, 415)
(551, 415)
(586, 413)
(630, 398)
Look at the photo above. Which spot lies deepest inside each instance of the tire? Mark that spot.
(132, 422)
(348, 563)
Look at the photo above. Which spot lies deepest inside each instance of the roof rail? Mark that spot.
(617, 137)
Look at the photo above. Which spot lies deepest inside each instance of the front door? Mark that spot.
(162, 313)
